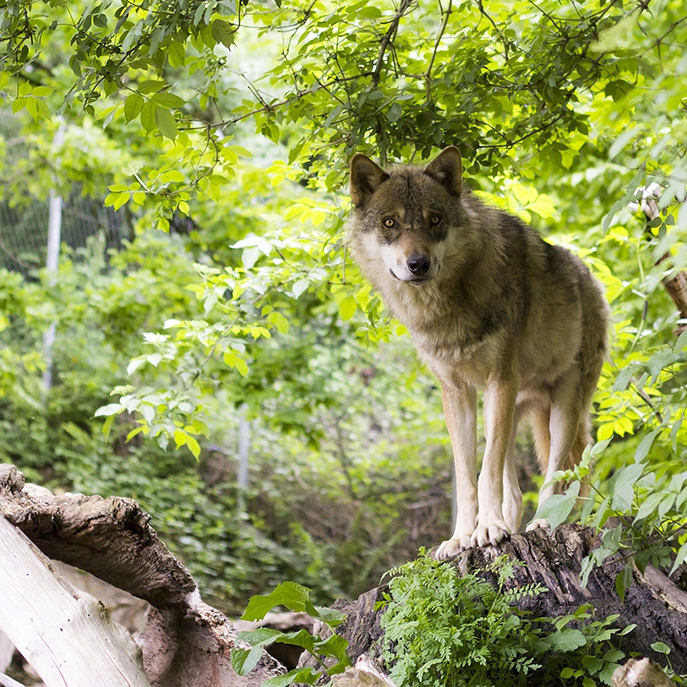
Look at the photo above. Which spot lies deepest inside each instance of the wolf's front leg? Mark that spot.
(460, 409)
(499, 413)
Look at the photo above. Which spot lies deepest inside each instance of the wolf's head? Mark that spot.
(403, 217)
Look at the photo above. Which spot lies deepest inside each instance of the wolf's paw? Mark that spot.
(538, 524)
(490, 534)
(452, 547)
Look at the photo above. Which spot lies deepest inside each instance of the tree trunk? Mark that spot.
(653, 602)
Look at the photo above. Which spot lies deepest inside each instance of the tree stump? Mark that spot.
(653, 601)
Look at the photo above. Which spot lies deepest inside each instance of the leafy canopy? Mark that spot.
(562, 110)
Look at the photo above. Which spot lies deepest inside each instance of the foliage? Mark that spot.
(295, 597)
(442, 629)
(323, 507)
(551, 103)
(232, 123)
(639, 511)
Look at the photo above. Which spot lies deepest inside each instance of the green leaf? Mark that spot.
(176, 54)
(293, 596)
(331, 616)
(223, 32)
(259, 638)
(679, 558)
(180, 437)
(193, 446)
(306, 676)
(151, 86)
(244, 660)
(148, 115)
(623, 486)
(645, 445)
(335, 645)
(623, 378)
(623, 581)
(567, 639)
(300, 287)
(107, 425)
(133, 106)
(347, 308)
(109, 409)
(279, 321)
(167, 99)
(661, 648)
(166, 123)
(559, 506)
(648, 505)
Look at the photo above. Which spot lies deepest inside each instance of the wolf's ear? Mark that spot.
(366, 177)
(447, 169)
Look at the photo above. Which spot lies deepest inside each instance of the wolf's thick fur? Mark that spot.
(490, 305)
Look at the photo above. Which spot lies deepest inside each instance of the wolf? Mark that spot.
(490, 306)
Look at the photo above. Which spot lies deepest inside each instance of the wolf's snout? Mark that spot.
(419, 264)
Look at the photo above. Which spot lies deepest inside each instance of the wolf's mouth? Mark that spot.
(415, 282)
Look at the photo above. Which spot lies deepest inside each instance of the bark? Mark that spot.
(186, 642)
(6, 651)
(110, 538)
(653, 602)
(676, 285)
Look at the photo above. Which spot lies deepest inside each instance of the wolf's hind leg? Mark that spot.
(564, 426)
(512, 494)
(460, 409)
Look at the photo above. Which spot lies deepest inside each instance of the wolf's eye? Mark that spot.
(389, 222)
(435, 219)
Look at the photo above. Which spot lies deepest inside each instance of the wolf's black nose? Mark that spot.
(419, 264)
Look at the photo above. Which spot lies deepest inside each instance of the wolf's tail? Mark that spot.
(540, 418)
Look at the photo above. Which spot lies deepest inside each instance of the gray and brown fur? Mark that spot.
(490, 305)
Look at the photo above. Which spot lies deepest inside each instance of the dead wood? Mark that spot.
(186, 643)
(653, 601)
(110, 538)
(640, 673)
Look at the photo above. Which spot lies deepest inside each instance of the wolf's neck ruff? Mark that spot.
(499, 309)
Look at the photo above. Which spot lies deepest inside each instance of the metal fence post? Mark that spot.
(54, 235)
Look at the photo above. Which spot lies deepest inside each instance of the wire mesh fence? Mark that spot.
(24, 230)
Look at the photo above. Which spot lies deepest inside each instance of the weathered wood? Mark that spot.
(65, 635)
(6, 651)
(110, 538)
(186, 643)
(6, 681)
(554, 560)
(193, 649)
(640, 673)
(365, 674)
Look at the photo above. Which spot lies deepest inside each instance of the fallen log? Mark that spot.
(63, 634)
(652, 601)
(186, 642)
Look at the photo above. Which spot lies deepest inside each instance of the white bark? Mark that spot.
(66, 636)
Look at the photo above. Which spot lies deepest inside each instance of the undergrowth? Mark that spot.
(442, 630)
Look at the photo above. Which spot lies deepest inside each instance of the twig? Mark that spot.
(387, 39)
(428, 78)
